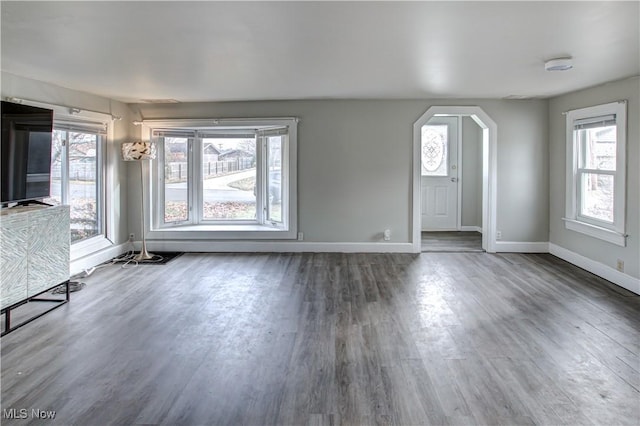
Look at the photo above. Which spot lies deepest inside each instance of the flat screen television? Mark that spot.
(25, 153)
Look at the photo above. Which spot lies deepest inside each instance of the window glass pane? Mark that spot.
(229, 178)
(434, 152)
(83, 185)
(274, 178)
(176, 173)
(598, 148)
(55, 197)
(597, 196)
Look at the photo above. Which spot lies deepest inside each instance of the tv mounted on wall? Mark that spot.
(25, 153)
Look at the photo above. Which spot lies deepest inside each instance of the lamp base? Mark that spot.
(143, 255)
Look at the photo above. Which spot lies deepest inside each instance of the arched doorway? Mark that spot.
(489, 163)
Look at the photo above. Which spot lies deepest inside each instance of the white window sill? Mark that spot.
(221, 232)
(89, 246)
(594, 231)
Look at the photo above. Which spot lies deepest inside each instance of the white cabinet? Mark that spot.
(14, 231)
(34, 251)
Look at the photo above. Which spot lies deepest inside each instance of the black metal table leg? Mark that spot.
(58, 302)
(7, 320)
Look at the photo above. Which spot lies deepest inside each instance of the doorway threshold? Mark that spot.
(451, 242)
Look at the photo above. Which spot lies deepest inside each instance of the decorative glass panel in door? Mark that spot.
(434, 150)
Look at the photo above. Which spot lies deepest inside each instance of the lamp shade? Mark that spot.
(136, 151)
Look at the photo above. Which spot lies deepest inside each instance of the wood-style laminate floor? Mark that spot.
(451, 241)
(315, 339)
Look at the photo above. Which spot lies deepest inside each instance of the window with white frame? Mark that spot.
(233, 176)
(77, 158)
(596, 148)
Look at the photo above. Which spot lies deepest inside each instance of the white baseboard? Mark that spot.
(623, 280)
(278, 247)
(470, 228)
(521, 247)
(96, 258)
(600, 269)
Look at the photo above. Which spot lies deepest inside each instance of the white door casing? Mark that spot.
(439, 174)
(489, 172)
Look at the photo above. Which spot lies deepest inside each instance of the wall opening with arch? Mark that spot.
(489, 172)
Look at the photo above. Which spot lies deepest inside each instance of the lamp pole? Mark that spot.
(140, 151)
(144, 254)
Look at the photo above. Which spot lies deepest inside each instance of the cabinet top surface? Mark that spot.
(24, 209)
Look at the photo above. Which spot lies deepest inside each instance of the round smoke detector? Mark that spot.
(558, 64)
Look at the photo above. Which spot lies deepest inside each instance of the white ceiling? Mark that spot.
(211, 51)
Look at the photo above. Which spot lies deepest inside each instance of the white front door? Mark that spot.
(439, 181)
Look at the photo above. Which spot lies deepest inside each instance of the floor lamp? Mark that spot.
(141, 152)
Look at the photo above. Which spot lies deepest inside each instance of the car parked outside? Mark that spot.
(275, 186)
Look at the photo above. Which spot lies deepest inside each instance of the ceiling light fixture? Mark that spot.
(558, 64)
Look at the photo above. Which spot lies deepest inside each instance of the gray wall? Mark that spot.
(592, 248)
(23, 88)
(354, 159)
(471, 173)
(354, 163)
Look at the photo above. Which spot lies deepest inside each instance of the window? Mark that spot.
(76, 175)
(435, 155)
(225, 178)
(596, 147)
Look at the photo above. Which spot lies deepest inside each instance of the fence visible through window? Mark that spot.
(75, 180)
(177, 171)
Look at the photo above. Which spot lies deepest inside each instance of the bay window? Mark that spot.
(224, 178)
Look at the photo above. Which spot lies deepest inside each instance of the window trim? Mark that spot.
(105, 239)
(157, 213)
(212, 230)
(100, 166)
(67, 116)
(284, 178)
(606, 231)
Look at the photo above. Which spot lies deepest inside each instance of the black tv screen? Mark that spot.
(25, 152)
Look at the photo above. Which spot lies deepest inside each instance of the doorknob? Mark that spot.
(454, 179)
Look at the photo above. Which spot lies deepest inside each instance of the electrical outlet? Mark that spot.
(300, 236)
(498, 235)
(387, 234)
(131, 237)
(620, 265)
